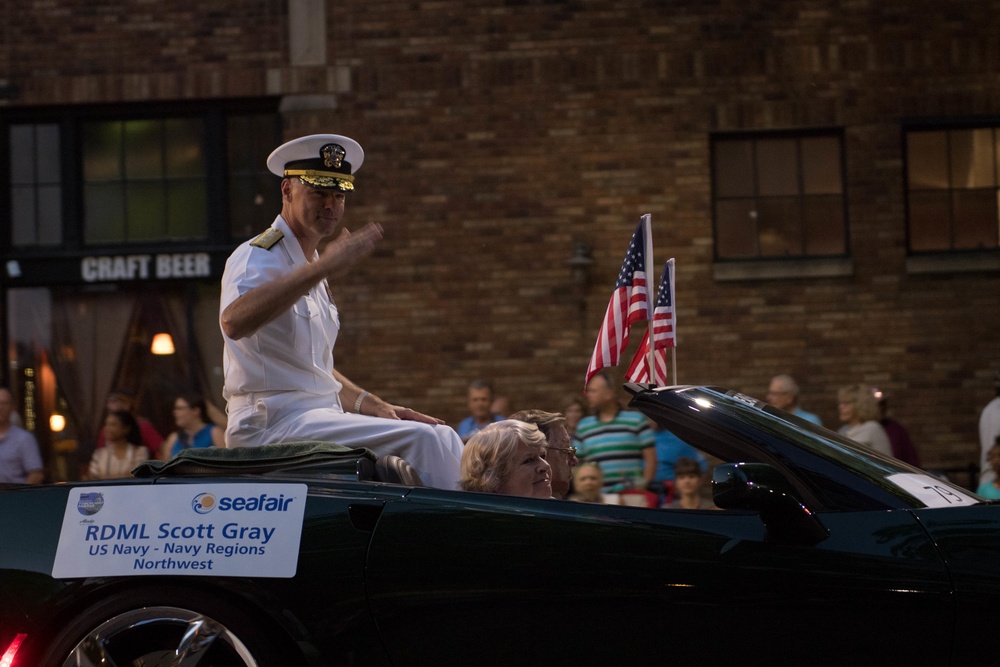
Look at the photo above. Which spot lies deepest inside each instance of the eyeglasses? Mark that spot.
(571, 450)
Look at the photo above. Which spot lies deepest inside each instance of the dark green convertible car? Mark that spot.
(823, 552)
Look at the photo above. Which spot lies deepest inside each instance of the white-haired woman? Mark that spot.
(858, 409)
(507, 457)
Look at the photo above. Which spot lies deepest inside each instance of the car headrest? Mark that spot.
(394, 470)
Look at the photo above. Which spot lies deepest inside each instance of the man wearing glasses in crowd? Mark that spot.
(561, 455)
(783, 393)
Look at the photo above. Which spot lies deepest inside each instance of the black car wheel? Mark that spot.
(146, 630)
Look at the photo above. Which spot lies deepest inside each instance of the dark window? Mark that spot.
(779, 196)
(35, 185)
(144, 180)
(952, 189)
(138, 175)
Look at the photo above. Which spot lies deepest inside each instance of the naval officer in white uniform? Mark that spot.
(280, 324)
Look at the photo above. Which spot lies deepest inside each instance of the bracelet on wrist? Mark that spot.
(361, 398)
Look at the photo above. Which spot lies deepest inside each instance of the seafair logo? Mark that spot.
(90, 503)
(203, 503)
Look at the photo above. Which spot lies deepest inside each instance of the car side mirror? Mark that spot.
(761, 488)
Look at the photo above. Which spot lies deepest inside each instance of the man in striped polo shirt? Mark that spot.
(620, 441)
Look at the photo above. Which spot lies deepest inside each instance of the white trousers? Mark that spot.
(264, 419)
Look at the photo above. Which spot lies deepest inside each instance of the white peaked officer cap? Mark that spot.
(325, 161)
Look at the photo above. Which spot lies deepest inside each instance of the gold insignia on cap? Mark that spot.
(323, 179)
(333, 155)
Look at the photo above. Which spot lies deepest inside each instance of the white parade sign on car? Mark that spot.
(227, 530)
(930, 491)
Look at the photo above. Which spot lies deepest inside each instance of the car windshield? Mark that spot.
(914, 486)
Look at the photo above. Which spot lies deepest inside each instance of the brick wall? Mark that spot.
(499, 133)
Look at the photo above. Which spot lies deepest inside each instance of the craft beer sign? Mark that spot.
(144, 267)
(116, 268)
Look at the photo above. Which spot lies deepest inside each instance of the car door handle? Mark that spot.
(364, 516)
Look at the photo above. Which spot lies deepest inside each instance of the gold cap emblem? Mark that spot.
(333, 155)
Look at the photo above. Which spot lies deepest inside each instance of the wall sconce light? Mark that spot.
(580, 263)
(57, 423)
(162, 344)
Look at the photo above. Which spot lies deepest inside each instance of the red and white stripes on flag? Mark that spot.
(664, 333)
(638, 370)
(628, 305)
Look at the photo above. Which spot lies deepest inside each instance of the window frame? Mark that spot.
(781, 265)
(35, 184)
(70, 120)
(935, 260)
(163, 214)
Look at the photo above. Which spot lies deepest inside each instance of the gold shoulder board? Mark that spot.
(268, 239)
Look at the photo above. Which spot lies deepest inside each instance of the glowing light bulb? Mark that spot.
(57, 423)
(162, 344)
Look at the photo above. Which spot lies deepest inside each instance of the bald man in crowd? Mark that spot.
(783, 393)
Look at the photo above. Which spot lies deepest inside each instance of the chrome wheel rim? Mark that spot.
(160, 637)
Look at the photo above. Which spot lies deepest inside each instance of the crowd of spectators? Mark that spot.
(594, 450)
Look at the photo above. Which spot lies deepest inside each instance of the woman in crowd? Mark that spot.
(507, 457)
(991, 489)
(859, 413)
(120, 453)
(574, 408)
(193, 428)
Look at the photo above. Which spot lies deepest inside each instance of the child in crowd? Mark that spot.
(688, 487)
(588, 479)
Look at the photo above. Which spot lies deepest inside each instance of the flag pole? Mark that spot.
(673, 302)
(650, 282)
(673, 358)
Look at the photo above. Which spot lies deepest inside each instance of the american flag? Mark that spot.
(627, 306)
(664, 335)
